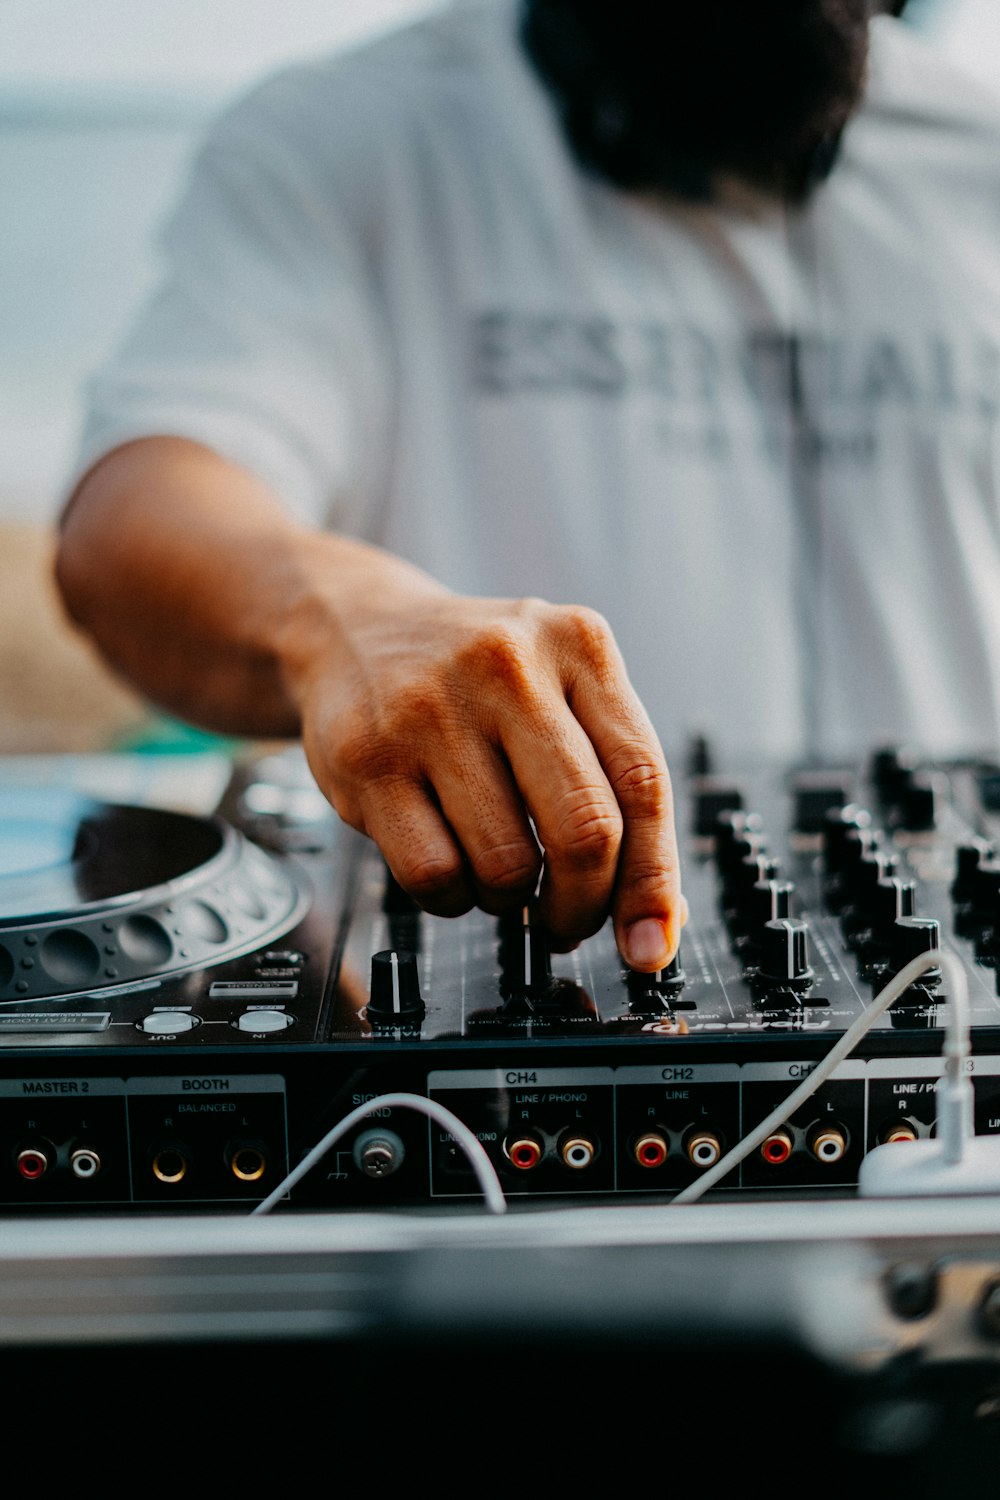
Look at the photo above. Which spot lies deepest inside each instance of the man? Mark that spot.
(686, 314)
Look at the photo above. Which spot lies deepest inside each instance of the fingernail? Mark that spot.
(646, 944)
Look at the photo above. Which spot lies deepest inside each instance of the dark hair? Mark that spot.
(659, 94)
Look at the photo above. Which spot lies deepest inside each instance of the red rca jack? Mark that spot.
(899, 1130)
(523, 1153)
(651, 1149)
(777, 1148)
(703, 1149)
(577, 1151)
(828, 1143)
(33, 1162)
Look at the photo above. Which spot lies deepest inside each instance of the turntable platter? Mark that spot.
(92, 893)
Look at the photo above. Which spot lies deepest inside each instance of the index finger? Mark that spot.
(647, 904)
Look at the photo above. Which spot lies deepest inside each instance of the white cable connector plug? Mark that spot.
(957, 1161)
(955, 1149)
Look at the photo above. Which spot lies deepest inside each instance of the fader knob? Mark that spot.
(395, 991)
(525, 960)
(784, 959)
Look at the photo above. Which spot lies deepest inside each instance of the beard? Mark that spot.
(665, 96)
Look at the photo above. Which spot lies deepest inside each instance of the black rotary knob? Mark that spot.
(710, 797)
(892, 768)
(915, 807)
(729, 827)
(655, 991)
(837, 824)
(770, 901)
(872, 870)
(912, 936)
(986, 888)
(784, 954)
(815, 793)
(395, 990)
(891, 900)
(747, 874)
(968, 858)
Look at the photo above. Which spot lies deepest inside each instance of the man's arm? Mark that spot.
(437, 724)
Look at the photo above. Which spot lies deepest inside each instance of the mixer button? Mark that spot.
(167, 1022)
(264, 1020)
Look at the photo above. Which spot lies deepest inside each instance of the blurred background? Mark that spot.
(101, 106)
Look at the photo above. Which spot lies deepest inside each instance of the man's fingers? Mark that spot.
(577, 817)
(486, 814)
(403, 818)
(648, 906)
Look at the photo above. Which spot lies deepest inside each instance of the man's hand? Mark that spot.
(462, 734)
(466, 736)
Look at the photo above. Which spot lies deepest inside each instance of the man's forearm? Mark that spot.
(192, 580)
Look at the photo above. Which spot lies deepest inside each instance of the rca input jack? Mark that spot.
(84, 1163)
(246, 1161)
(33, 1162)
(828, 1144)
(703, 1149)
(524, 1152)
(577, 1151)
(899, 1130)
(777, 1148)
(169, 1165)
(651, 1149)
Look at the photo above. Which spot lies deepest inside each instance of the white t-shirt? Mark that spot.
(763, 441)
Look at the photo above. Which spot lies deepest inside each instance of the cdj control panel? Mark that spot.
(187, 1004)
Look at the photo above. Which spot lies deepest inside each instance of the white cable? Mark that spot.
(954, 1097)
(489, 1182)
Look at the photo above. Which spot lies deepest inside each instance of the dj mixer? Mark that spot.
(188, 1003)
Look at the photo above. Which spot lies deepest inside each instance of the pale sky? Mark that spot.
(215, 42)
(223, 43)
